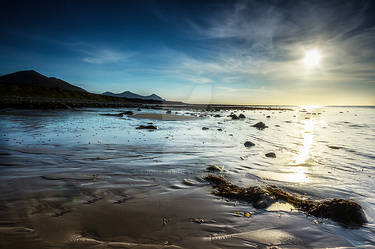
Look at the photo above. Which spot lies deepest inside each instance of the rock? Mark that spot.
(265, 200)
(268, 116)
(234, 116)
(220, 129)
(128, 113)
(346, 212)
(260, 126)
(205, 128)
(147, 127)
(198, 220)
(168, 112)
(248, 144)
(215, 168)
(217, 116)
(112, 114)
(271, 154)
(241, 116)
(334, 147)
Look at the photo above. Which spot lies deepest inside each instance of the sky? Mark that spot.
(227, 52)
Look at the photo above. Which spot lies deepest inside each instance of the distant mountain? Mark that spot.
(30, 89)
(32, 79)
(130, 95)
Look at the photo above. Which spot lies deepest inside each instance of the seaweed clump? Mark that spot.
(346, 212)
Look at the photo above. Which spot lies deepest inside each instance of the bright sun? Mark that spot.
(312, 58)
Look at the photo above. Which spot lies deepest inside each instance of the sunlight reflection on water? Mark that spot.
(307, 134)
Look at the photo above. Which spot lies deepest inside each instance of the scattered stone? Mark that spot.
(215, 168)
(242, 116)
(188, 182)
(248, 144)
(346, 212)
(168, 112)
(217, 116)
(198, 220)
(95, 199)
(147, 127)
(260, 126)
(112, 114)
(129, 113)
(94, 177)
(268, 116)
(220, 129)
(205, 128)
(334, 147)
(61, 212)
(165, 221)
(120, 201)
(271, 154)
(234, 116)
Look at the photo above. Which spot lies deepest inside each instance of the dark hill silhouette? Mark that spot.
(30, 89)
(130, 95)
(31, 78)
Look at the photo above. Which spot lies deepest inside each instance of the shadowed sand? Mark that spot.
(162, 221)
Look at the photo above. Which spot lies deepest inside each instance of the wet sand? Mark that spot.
(114, 218)
(83, 180)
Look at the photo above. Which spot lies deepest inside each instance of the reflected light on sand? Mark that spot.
(298, 175)
(310, 107)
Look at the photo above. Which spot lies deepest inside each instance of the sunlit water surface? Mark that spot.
(322, 152)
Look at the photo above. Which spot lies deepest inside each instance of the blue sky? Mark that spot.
(235, 52)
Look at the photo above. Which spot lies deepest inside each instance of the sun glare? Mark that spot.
(312, 58)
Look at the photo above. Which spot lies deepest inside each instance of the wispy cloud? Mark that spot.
(104, 56)
(256, 42)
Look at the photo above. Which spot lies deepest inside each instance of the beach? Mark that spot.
(75, 178)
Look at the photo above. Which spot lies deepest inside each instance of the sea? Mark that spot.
(70, 178)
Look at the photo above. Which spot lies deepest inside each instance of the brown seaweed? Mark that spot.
(346, 212)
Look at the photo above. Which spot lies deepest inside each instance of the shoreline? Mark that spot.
(21, 102)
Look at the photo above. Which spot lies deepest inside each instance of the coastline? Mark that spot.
(32, 102)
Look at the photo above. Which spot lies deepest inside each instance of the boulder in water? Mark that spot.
(347, 212)
(249, 144)
(129, 113)
(260, 126)
(147, 127)
(271, 154)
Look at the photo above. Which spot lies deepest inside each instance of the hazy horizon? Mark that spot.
(222, 52)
